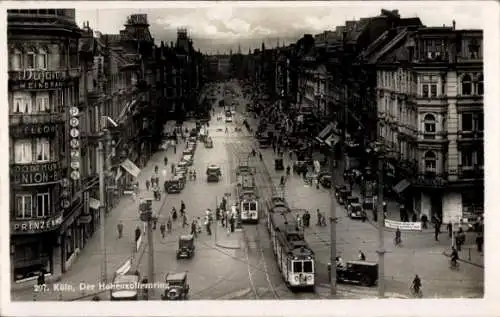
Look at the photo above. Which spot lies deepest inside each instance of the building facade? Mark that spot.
(430, 97)
(43, 85)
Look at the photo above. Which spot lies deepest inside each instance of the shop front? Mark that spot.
(31, 248)
(71, 240)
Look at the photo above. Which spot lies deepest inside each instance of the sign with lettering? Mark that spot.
(36, 225)
(408, 226)
(37, 79)
(33, 129)
(35, 174)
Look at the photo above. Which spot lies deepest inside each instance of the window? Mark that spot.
(466, 158)
(466, 85)
(480, 87)
(245, 206)
(23, 151)
(433, 90)
(24, 206)
(479, 122)
(30, 59)
(253, 206)
(16, 60)
(297, 266)
(42, 59)
(467, 122)
(42, 102)
(429, 123)
(308, 267)
(430, 162)
(425, 90)
(22, 103)
(480, 158)
(42, 205)
(42, 150)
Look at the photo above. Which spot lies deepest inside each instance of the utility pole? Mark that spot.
(381, 224)
(333, 230)
(102, 199)
(147, 216)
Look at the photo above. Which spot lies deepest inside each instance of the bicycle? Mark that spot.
(416, 293)
(454, 265)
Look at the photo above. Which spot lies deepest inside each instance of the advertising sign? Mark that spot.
(35, 226)
(74, 133)
(407, 226)
(37, 79)
(25, 130)
(35, 174)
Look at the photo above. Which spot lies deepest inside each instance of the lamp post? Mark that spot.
(146, 216)
(102, 150)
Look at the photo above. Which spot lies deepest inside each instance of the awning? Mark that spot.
(130, 167)
(401, 186)
(328, 135)
(94, 203)
(126, 109)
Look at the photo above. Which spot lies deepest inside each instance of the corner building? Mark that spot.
(43, 77)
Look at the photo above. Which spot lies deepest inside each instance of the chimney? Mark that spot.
(454, 24)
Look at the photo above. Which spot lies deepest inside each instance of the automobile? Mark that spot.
(193, 139)
(356, 211)
(359, 272)
(188, 159)
(186, 246)
(325, 180)
(125, 294)
(183, 165)
(300, 166)
(209, 143)
(193, 133)
(177, 287)
(229, 119)
(264, 142)
(175, 185)
(187, 151)
(278, 164)
(213, 173)
(191, 144)
(350, 200)
(342, 195)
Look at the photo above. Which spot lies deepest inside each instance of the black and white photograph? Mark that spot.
(246, 151)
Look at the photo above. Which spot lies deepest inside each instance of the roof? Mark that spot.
(186, 237)
(389, 46)
(175, 276)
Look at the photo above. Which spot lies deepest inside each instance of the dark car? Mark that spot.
(359, 272)
(325, 180)
(177, 286)
(350, 200)
(356, 211)
(278, 164)
(186, 246)
(343, 193)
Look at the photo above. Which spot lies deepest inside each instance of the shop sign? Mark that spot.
(38, 79)
(35, 174)
(408, 226)
(35, 226)
(33, 129)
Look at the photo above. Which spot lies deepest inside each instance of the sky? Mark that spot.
(220, 26)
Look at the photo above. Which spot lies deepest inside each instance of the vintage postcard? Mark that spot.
(255, 158)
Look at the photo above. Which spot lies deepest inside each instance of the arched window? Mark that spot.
(430, 162)
(42, 58)
(30, 59)
(16, 59)
(429, 123)
(466, 85)
(480, 87)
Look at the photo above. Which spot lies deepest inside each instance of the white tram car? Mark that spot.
(249, 206)
(294, 257)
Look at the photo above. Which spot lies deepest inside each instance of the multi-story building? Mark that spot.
(43, 86)
(430, 87)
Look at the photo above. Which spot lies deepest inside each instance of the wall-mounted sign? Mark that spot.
(65, 183)
(65, 203)
(75, 175)
(74, 143)
(35, 226)
(73, 111)
(74, 133)
(35, 174)
(75, 154)
(33, 129)
(74, 122)
(37, 79)
(75, 165)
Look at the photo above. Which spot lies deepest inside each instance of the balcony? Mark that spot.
(36, 174)
(36, 225)
(471, 172)
(430, 180)
(26, 125)
(470, 136)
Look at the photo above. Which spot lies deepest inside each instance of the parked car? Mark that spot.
(188, 159)
(356, 211)
(362, 272)
(325, 180)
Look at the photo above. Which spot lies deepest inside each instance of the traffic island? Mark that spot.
(227, 240)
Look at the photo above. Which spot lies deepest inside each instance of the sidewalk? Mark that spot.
(87, 268)
(224, 240)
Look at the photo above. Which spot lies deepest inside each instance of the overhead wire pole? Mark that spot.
(102, 199)
(381, 251)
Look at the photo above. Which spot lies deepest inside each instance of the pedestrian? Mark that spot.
(137, 233)
(318, 215)
(424, 221)
(119, 227)
(209, 229)
(193, 228)
(175, 147)
(163, 229)
(148, 184)
(282, 181)
(436, 231)
(174, 214)
(479, 242)
(184, 220)
(172, 168)
(361, 256)
(231, 223)
(169, 225)
(402, 212)
(165, 160)
(183, 206)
